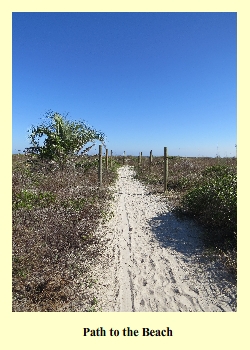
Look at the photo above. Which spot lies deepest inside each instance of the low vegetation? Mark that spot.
(55, 214)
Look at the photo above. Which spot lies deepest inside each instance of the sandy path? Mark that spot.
(153, 262)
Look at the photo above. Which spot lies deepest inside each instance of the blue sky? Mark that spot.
(147, 80)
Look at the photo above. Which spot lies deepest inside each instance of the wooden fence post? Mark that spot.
(106, 159)
(124, 157)
(111, 153)
(100, 166)
(150, 160)
(140, 157)
(165, 168)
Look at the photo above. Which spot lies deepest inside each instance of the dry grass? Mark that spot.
(55, 216)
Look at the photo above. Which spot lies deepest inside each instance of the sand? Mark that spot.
(154, 262)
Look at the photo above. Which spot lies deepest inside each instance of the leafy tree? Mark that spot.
(63, 138)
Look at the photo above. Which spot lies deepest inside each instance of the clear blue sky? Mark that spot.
(147, 80)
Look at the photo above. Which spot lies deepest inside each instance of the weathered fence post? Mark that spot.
(124, 157)
(151, 157)
(111, 153)
(165, 168)
(140, 157)
(150, 160)
(100, 166)
(106, 159)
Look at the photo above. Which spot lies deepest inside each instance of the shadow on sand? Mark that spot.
(182, 235)
(185, 237)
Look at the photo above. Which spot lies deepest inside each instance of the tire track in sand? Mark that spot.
(154, 262)
(125, 294)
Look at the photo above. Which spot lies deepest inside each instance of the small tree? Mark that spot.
(63, 138)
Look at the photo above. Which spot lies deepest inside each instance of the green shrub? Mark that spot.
(28, 199)
(214, 201)
(87, 164)
(75, 204)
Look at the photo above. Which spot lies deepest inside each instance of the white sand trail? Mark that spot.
(153, 262)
